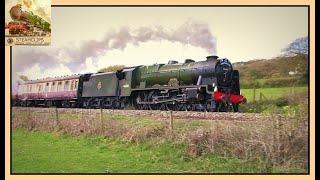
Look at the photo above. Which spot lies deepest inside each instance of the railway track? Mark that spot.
(188, 115)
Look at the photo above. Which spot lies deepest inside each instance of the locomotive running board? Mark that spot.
(158, 102)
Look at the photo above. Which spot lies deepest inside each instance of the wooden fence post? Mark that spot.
(260, 96)
(28, 118)
(171, 121)
(57, 118)
(254, 94)
(101, 120)
(57, 115)
(278, 137)
(101, 115)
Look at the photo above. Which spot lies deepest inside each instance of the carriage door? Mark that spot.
(39, 94)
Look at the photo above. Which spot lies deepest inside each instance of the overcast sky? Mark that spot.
(85, 39)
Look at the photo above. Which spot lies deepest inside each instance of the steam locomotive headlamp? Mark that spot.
(215, 88)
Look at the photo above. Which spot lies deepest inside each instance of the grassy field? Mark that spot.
(272, 93)
(264, 80)
(41, 152)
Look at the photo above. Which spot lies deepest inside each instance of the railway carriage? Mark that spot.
(59, 91)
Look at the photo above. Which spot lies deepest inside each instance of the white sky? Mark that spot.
(242, 33)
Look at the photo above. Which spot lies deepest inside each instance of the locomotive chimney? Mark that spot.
(213, 57)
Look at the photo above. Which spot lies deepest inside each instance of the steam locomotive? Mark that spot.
(26, 23)
(210, 85)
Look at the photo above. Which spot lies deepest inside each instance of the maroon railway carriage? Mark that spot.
(58, 91)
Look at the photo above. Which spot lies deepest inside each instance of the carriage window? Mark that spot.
(53, 87)
(40, 88)
(29, 88)
(59, 87)
(72, 85)
(76, 85)
(46, 88)
(33, 88)
(66, 86)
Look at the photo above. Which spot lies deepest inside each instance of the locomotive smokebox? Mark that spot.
(17, 14)
(213, 57)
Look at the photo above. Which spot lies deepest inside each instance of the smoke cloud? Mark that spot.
(192, 33)
(16, 80)
(27, 3)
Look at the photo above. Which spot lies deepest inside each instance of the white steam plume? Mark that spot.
(192, 32)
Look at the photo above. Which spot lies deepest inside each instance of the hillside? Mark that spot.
(276, 72)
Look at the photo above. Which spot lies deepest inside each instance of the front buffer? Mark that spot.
(224, 101)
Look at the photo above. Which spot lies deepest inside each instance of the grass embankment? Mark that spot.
(132, 144)
(43, 152)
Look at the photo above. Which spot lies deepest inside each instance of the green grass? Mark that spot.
(180, 125)
(262, 81)
(40, 152)
(136, 121)
(62, 116)
(183, 125)
(271, 93)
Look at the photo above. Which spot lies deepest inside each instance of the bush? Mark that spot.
(282, 101)
(274, 142)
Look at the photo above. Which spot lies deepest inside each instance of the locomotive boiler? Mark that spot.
(17, 14)
(208, 72)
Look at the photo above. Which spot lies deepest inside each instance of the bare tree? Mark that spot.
(298, 46)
